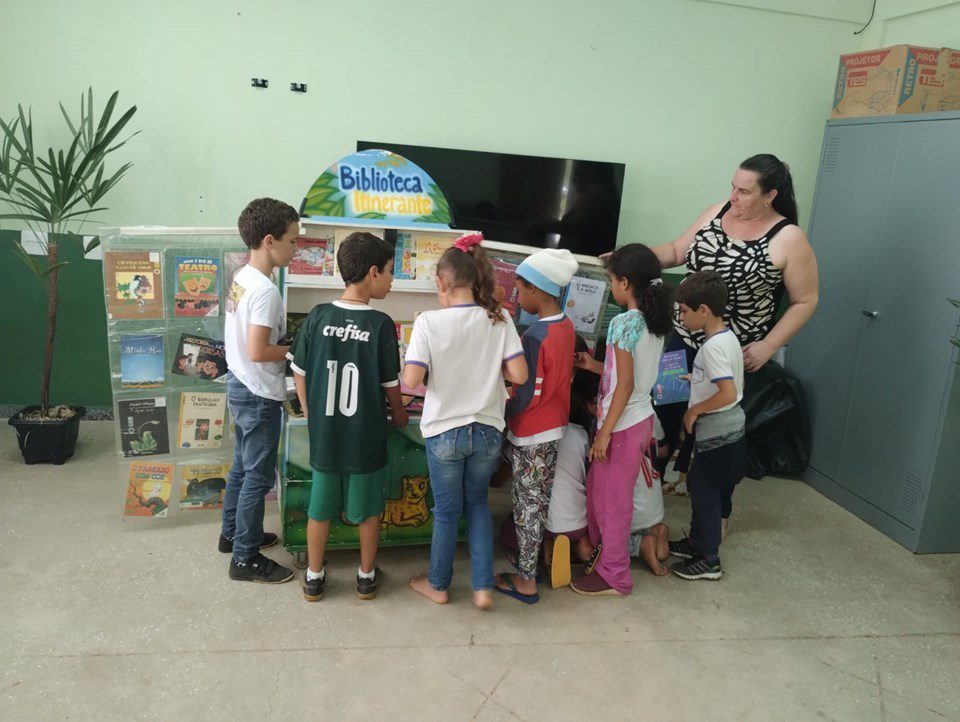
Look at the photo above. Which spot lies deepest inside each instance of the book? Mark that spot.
(233, 261)
(405, 257)
(141, 361)
(201, 424)
(505, 277)
(404, 332)
(143, 426)
(200, 358)
(202, 484)
(294, 322)
(133, 282)
(670, 388)
(148, 489)
(311, 257)
(430, 246)
(583, 303)
(198, 286)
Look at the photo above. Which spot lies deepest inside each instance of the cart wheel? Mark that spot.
(300, 560)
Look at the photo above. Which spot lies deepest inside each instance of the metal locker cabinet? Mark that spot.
(885, 404)
(852, 188)
(904, 360)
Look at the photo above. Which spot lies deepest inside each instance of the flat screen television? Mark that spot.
(529, 200)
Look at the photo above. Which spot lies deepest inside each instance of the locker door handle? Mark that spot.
(871, 314)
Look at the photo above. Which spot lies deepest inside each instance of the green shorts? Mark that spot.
(358, 496)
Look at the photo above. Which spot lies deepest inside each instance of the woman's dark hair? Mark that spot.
(641, 267)
(472, 269)
(359, 252)
(774, 174)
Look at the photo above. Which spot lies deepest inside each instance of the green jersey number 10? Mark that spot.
(349, 389)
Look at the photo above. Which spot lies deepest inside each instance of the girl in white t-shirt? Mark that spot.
(624, 414)
(463, 352)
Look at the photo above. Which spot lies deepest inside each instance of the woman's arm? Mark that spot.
(675, 253)
(621, 395)
(802, 282)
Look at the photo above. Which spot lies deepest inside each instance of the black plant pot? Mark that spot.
(49, 441)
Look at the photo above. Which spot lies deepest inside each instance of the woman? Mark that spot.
(753, 241)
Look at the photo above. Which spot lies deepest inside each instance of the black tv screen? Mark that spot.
(530, 200)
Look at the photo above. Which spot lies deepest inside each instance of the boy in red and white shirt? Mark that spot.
(539, 409)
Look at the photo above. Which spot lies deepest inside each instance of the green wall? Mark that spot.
(81, 372)
(679, 90)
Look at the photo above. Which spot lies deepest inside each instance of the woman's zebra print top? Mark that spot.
(754, 284)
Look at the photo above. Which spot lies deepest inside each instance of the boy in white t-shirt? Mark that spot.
(254, 324)
(715, 420)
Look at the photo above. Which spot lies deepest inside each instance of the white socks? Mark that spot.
(312, 575)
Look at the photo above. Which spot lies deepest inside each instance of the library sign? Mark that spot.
(380, 187)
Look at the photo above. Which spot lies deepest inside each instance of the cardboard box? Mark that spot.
(948, 81)
(888, 81)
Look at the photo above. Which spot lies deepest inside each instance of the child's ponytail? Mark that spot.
(641, 267)
(466, 264)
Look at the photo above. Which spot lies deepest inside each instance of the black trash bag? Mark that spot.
(778, 424)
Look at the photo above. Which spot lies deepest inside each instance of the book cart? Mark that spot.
(165, 290)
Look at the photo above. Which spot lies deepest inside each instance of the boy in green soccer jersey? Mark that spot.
(346, 363)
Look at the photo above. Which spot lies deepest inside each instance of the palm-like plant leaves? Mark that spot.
(55, 192)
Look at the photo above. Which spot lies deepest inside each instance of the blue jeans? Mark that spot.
(461, 462)
(257, 423)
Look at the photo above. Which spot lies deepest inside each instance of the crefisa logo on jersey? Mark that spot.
(350, 332)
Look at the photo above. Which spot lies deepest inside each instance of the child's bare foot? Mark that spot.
(662, 534)
(648, 552)
(583, 549)
(524, 586)
(421, 585)
(483, 599)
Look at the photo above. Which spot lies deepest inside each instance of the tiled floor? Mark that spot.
(818, 617)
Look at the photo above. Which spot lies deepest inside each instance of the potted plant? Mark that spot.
(54, 194)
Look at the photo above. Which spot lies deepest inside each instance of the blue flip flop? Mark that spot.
(512, 558)
(512, 591)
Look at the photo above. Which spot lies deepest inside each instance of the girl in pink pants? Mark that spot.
(624, 413)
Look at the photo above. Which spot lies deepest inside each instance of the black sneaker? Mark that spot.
(260, 569)
(313, 588)
(367, 588)
(226, 545)
(681, 548)
(698, 568)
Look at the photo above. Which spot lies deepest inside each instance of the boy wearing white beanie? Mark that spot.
(539, 410)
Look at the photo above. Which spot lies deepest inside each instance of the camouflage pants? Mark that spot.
(533, 471)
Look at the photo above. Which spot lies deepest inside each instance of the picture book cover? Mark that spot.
(583, 303)
(505, 277)
(670, 388)
(404, 332)
(198, 286)
(311, 256)
(233, 261)
(294, 322)
(200, 358)
(133, 283)
(201, 423)
(405, 257)
(202, 484)
(141, 361)
(143, 426)
(430, 247)
(148, 489)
